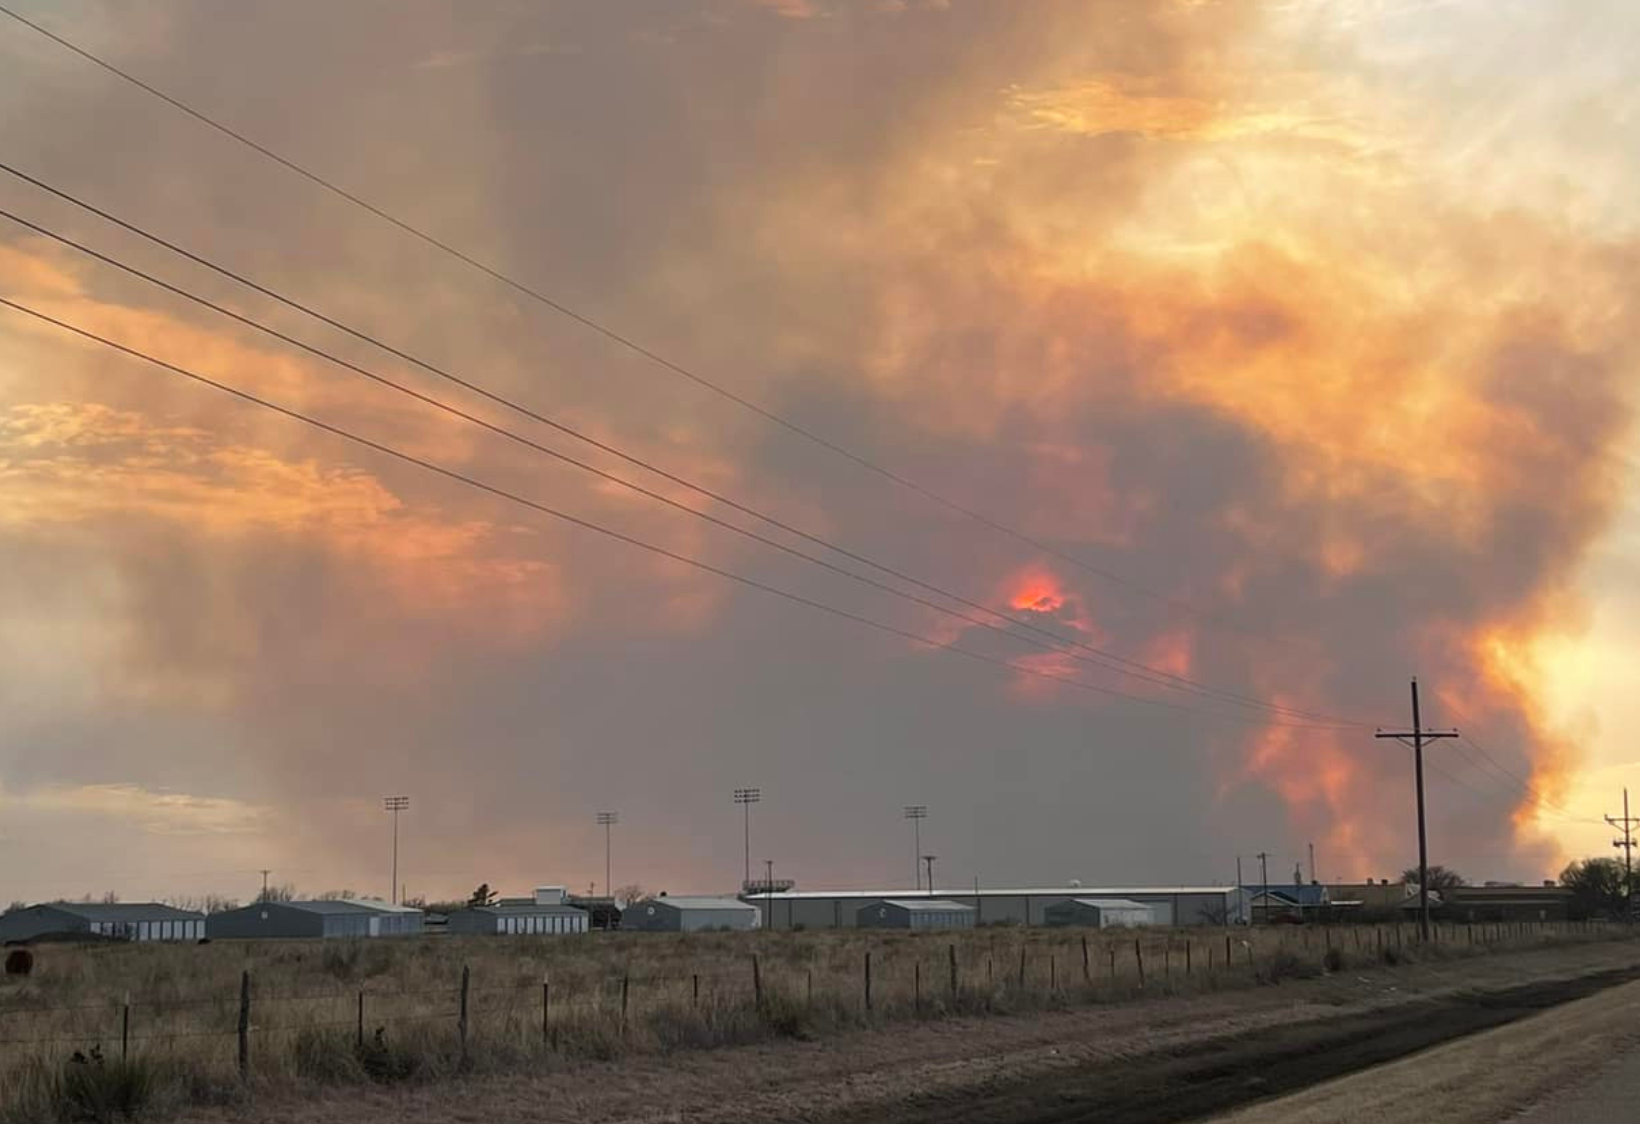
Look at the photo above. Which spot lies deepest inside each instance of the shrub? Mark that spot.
(1284, 964)
(1334, 960)
(19, 962)
(96, 1090)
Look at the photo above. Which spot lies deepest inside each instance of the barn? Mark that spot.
(1099, 913)
(689, 915)
(297, 920)
(127, 921)
(915, 913)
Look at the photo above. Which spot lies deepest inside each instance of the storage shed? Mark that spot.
(1100, 913)
(689, 915)
(124, 921)
(280, 920)
(915, 913)
(522, 918)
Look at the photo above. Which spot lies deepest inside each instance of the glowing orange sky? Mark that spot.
(1310, 323)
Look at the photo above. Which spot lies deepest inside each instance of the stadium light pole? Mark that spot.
(929, 859)
(917, 813)
(746, 797)
(608, 820)
(395, 804)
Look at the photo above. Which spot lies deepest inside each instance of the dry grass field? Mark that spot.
(102, 1033)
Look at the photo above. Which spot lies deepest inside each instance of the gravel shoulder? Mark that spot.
(1038, 1067)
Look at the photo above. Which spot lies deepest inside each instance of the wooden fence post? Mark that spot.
(1111, 951)
(1187, 965)
(757, 983)
(546, 1012)
(916, 970)
(694, 997)
(1022, 967)
(360, 1038)
(626, 984)
(1227, 961)
(1139, 957)
(1053, 973)
(461, 1020)
(868, 979)
(1087, 972)
(952, 951)
(125, 1028)
(245, 1024)
(990, 972)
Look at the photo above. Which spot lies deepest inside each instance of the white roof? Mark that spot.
(931, 904)
(706, 903)
(1112, 903)
(1119, 892)
(381, 906)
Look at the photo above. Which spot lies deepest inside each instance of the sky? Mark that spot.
(1197, 372)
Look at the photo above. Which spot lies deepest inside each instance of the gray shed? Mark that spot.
(689, 915)
(915, 913)
(126, 921)
(279, 920)
(521, 918)
(1100, 913)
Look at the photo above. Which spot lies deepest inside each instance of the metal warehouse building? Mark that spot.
(281, 920)
(1099, 913)
(915, 913)
(1169, 905)
(689, 915)
(545, 913)
(129, 921)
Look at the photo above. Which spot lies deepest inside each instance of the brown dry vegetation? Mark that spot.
(184, 1000)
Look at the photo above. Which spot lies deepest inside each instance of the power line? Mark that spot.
(626, 341)
(1102, 657)
(607, 532)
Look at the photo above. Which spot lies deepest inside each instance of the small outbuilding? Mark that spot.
(690, 915)
(915, 913)
(1100, 913)
(120, 921)
(296, 920)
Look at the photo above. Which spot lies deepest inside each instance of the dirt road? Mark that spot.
(1575, 1064)
(1142, 1063)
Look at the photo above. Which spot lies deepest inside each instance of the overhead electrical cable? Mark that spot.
(1099, 656)
(629, 343)
(615, 535)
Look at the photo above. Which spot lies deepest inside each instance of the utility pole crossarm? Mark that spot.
(1416, 737)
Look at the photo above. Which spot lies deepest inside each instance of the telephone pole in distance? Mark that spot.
(1626, 825)
(1418, 736)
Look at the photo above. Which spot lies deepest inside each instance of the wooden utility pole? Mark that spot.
(1626, 825)
(1418, 736)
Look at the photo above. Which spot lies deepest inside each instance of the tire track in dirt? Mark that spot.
(1228, 1072)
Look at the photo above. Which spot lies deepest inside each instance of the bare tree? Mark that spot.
(284, 892)
(631, 892)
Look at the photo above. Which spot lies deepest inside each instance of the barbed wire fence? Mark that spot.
(1005, 972)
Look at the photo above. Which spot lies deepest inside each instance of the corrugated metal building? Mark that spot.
(689, 915)
(1170, 905)
(295, 920)
(1100, 913)
(545, 913)
(915, 913)
(127, 921)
